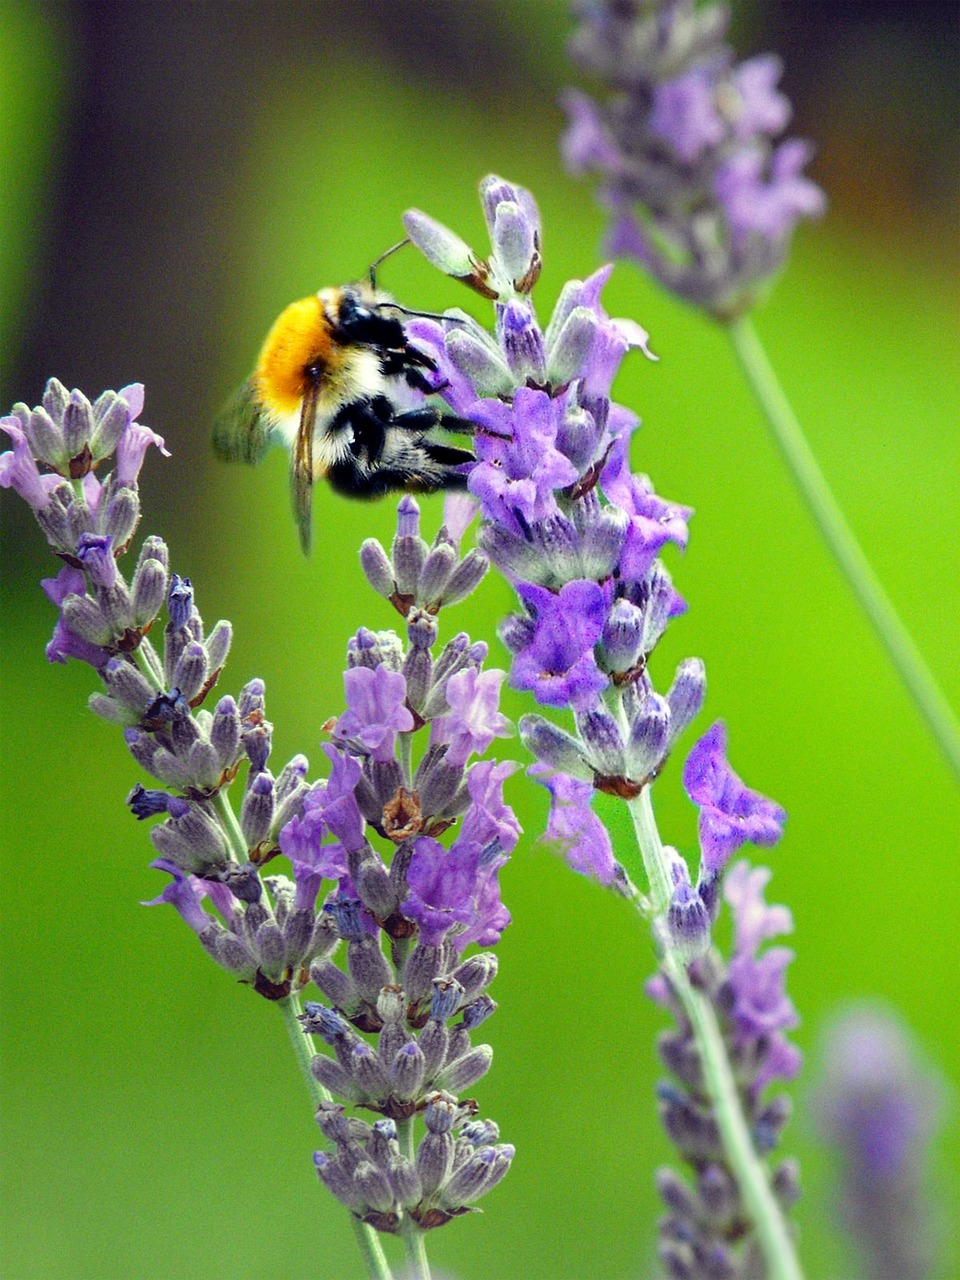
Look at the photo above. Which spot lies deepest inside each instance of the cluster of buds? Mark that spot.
(457, 1161)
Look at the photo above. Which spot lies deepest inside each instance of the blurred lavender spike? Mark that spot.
(877, 1107)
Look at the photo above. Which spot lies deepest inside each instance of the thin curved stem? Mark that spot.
(750, 1171)
(839, 537)
(303, 1049)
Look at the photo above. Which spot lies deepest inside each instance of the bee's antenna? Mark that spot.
(383, 257)
(395, 306)
(425, 315)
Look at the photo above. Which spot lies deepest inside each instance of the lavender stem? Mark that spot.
(367, 1238)
(231, 827)
(750, 1172)
(414, 1240)
(839, 537)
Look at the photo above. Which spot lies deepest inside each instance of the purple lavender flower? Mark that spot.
(185, 893)
(558, 664)
(761, 1009)
(764, 197)
(443, 887)
(730, 813)
(562, 516)
(19, 471)
(488, 818)
(375, 711)
(65, 643)
(579, 834)
(697, 190)
(581, 543)
(270, 932)
(518, 464)
(474, 719)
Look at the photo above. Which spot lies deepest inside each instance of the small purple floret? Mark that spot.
(581, 836)
(375, 712)
(730, 813)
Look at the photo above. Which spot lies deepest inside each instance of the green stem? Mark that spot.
(303, 1049)
(839, 537)
(405, 755)
(414, 1240)
(140, 658)
(221, 802)
(750, 1171)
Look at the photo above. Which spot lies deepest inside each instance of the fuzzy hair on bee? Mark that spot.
(336, 383)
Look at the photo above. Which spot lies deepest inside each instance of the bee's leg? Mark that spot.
(419, 420)
(414, 378)
(447, 455)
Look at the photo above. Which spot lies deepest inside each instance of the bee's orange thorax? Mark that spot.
(300, 337)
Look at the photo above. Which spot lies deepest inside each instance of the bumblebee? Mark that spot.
(335, 383)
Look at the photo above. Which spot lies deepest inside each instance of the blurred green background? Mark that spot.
(172, 175)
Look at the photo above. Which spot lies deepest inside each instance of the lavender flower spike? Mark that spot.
(877, 1106)
(700, 192)
(579, 538)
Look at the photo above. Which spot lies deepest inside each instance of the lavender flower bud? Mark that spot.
(149, 589)
(475, 974)
(179, 602)
(256, 813)
(602, 742)
(422, 967)
(685, 696)
(649, 731)
(407, 1070)
(554, 746)
(118, 516)
(466, 1070)
(447, 998)
(45, 438)
(465, 578)
(217, 644)
(225, 732)
(567, 354)
(368, 966)
(271, 949)
(478, 1011)
(368, 1072)
(191, 670)
(477, 1176)
(435, 573)
(377, 568)
(440, 246)
(337, 986)
(434, 1160)
(434, 1045)
(478, 359)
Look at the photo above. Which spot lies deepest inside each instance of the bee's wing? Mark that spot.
(242, 432)
(301, 466)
